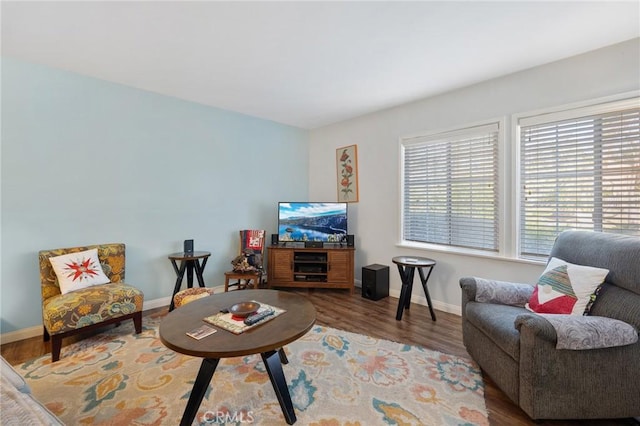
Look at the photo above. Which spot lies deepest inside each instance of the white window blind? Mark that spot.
(579, 172)
(450, 188)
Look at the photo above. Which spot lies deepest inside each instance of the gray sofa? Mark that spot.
(517, 348)
(18, 406)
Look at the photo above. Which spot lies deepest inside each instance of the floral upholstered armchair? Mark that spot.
(82, 288)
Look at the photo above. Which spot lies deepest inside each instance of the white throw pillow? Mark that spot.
(565, 288)
(78, 270)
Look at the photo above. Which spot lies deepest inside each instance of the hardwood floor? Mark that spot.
(353, 313)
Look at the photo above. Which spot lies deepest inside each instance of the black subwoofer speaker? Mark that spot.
(375, 281)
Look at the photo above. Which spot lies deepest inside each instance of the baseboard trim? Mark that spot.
(156, 303)
(25, 333)
(421, 300)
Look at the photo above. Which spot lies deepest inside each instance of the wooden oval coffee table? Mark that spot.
(266, 339)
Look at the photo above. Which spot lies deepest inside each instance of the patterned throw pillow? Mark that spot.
(78, 270)
(565, 288)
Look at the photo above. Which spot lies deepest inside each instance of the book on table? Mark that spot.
(201, 332)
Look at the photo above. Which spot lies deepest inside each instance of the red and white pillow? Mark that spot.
(565, 288)
(78, 270)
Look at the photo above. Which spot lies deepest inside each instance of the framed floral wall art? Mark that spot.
(347, 168)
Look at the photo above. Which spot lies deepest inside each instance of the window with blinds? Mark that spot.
(450, 188)
(579, 169)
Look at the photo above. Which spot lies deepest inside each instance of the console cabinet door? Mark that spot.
(340, 267)
(281, 265)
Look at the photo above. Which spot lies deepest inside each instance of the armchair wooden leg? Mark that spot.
(56, 346)
(137, 322)
(45, 334)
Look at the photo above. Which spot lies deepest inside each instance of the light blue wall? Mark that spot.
(86, 161)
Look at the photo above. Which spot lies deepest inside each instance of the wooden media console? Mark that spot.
(311, 267)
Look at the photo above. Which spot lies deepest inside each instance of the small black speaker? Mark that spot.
(351, 241)
(313, 244)
(188, 246)
(274, 239)
(375, 281)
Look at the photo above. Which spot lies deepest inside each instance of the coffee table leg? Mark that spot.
(274, 368)
(207, 368)
(283, 356)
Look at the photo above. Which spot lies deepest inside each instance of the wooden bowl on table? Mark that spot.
(244, 309)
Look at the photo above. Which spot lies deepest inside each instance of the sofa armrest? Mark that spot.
(17, 405)
(10, 375)
(546, 375)
(536, 327)
(577, 332)
(491, 291)
(468, 286)
(591, 332)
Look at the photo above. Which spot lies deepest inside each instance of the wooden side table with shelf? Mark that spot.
(311, 267)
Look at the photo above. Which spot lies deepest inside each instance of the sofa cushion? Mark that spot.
(565, 288)
(497, 323)
(78, 270)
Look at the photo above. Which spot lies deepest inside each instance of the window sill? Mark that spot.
(460, 251)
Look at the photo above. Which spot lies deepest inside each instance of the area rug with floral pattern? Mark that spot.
(334, 377)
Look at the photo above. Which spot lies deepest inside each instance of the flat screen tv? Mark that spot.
(326, 222)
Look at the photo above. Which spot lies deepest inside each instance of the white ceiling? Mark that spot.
(308, 64)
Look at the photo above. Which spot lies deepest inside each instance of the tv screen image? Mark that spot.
(326, 222)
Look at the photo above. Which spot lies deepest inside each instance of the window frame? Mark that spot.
(448, 133)
(549, 115)
(508, 177)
